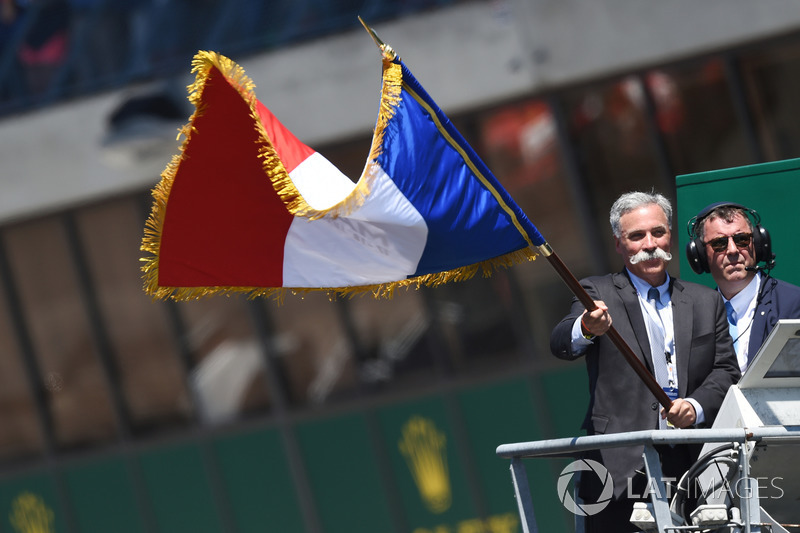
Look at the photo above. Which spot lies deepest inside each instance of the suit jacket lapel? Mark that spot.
(630, 299)
(682, 321)
(764, 310)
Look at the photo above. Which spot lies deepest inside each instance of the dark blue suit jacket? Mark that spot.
(777, 299)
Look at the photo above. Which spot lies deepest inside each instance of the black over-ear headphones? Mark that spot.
(696, 248)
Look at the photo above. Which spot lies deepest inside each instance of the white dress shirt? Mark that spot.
(744, 304)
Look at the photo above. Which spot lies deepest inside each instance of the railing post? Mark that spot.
(522, 492)
(657, 488)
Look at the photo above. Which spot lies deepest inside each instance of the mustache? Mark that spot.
(644, 255)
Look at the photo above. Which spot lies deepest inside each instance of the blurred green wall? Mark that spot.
(426, 464)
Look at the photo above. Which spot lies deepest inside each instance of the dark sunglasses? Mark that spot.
(741, 240)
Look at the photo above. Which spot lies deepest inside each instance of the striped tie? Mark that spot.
(657, 347)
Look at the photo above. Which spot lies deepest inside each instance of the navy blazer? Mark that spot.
(777, 299)
(619, 399)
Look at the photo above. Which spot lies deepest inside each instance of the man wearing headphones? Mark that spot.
(728, 241)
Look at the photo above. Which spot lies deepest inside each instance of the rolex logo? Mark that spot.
(29, 514)
(424, 448)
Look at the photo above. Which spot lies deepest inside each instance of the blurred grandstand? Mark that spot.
(52, 50)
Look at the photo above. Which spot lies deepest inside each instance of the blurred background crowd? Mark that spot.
(53, 49)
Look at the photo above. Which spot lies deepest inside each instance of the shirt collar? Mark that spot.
(741, 300)
(642, 286)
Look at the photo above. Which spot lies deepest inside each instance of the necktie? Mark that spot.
(657, 347)
(732, 325)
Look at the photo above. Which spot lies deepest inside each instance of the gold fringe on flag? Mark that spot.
(390, 97)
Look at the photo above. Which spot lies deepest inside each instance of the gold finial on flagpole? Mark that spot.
(386, 50)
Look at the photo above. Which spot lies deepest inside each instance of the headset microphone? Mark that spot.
(770, 264)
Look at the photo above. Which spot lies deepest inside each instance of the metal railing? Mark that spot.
(749, 512)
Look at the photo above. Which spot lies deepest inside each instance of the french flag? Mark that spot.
(247, 207)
